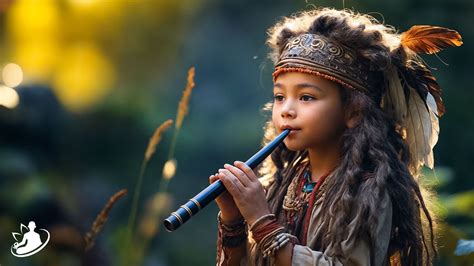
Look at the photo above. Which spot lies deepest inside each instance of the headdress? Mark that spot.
(411, 94)
(322, 56)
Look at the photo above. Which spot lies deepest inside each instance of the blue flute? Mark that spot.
(198, 202)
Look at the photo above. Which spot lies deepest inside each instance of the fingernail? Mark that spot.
(226, 164)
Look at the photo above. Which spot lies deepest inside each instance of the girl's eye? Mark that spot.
(304, 98)
(307, 97)
(277, 98)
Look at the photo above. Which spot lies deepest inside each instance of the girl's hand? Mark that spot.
(225, 202)
(246, 190)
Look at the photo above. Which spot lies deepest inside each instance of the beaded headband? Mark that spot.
(316, 54)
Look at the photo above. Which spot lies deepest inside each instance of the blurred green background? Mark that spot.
(86, 82)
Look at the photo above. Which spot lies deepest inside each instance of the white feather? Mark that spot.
(431, 103)
(422, 130)
(394, 99)
(419, 117)
(434, 126)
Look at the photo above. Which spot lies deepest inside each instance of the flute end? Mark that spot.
(170, 227)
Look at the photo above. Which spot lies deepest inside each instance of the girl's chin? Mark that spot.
(292, 146)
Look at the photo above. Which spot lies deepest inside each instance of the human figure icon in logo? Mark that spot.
(31, 239)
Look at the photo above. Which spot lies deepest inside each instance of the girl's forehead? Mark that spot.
(295, 76)
(297, 79)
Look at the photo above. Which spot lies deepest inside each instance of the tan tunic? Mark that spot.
(356, 252)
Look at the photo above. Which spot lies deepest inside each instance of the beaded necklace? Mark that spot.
(299, 198)
(308, 185)
(296, 199)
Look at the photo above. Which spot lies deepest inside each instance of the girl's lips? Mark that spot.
(293, 131)
(288, 127)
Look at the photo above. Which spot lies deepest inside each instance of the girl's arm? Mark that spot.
(356, 252)
(231, 241)
(248, 195)
(231, 256)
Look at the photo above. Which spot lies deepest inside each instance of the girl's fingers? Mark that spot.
(247, 170)
(231, 182)
(244, 179)
(212, 178)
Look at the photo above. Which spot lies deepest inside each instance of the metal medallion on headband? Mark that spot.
(329, 58)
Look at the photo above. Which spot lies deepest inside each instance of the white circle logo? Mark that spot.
(28, 241)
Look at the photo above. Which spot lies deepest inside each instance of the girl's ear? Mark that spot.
(353, 117)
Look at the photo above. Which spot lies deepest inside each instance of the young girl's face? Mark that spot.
(312, 106)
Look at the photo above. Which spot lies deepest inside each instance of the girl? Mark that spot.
(342, 188)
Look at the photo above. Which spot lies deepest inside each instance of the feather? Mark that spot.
(395, 100)
(422, 128)
(421, 92)
(429, 39)
(431, 103)
(434, 136)
(427, 79)
(422, 80)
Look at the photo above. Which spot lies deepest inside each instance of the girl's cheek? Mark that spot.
(275, 113)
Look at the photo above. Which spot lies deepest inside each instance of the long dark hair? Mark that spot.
(375, 157)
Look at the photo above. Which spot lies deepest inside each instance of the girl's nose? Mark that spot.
(288, 111)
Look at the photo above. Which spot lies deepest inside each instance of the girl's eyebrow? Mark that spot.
(300, 86)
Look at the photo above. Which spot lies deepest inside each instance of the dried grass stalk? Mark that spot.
(101, 219)
(184, 103)
(155, 139)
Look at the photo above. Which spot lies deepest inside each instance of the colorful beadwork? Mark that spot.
(308, 185)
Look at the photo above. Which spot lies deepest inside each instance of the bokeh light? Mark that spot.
(12, 75)
(169, 170)
(33, 30)
(8, 97)
(84, 77)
